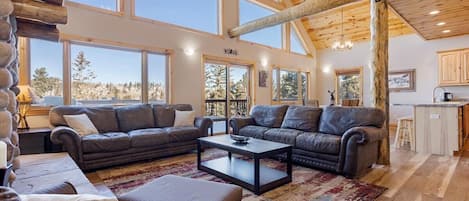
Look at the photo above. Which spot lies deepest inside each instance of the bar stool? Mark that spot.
(405, 133)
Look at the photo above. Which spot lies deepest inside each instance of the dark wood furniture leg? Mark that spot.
(257, 189)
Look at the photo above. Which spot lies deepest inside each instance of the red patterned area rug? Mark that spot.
(308, 184)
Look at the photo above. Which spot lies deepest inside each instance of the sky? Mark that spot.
(195, 14)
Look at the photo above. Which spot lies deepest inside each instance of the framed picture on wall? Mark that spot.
(263, 76)
(402, 80)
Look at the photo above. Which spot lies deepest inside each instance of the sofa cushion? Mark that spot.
(282, 135)
(269, 115)
(337, 120)
(148, 137)
(253, 131)
(170, 187)
(105, 142)
(319, 142)
(104, 117)
(182, 134)
(302, 118)
(135, 117)
(164, 114)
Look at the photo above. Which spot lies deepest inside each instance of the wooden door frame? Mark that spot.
(229, 62)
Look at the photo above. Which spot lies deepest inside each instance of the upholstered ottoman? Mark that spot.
(175, 188)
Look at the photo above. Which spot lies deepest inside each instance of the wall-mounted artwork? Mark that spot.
(402, 80)
(263, 76)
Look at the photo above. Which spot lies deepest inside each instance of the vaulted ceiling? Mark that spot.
(405, 17)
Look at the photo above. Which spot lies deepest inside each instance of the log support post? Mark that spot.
(379, 67)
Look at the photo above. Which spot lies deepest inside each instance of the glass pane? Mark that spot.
(288, 85)
(349, 86)
(201, 14)
(105, 76)
(295, 43)
(271, 36)
(215, 89)
(274, 85)
(156, 78)
(304, 85)
(239, 83)
(104, 4)
(46, 72)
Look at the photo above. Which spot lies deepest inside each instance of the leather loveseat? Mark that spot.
(126, 134)
(339, 139)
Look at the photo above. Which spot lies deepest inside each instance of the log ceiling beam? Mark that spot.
(43, 12)
(33, 29)
(309, 7)
(302, 32)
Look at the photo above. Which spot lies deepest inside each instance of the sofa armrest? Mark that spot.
(70, 140)
(359, 150)
(203, 124)
(366, 134)
(239, 122)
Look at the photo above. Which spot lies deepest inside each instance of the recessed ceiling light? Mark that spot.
(434, 12)
(446, 31)
(441, 23)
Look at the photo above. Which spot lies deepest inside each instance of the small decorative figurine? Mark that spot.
(332, 100)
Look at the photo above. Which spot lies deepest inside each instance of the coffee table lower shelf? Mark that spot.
(241, 172)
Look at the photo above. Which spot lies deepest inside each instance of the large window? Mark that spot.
(46, 72)
(289, 85)
(105, 76)
(271, 36)
(200, 14)
(295, 42)
(157, 65)
(112, 5)
(349, 86)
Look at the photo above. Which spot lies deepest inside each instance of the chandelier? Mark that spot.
(342, 44)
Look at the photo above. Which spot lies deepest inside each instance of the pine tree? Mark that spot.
(81, 76)
(41, 82)
(289, 85)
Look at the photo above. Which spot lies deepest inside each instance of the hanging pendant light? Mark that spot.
(342, 44)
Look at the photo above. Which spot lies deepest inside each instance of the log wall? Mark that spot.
(9, 82)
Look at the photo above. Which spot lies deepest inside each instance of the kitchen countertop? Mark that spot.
(438, 104)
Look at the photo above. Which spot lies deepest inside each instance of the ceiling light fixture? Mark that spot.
(441, 23)
(434, 12)
(342, 44)
(446, 31)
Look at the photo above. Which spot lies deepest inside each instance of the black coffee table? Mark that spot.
(250, 175)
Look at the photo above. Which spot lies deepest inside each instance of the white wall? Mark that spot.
(405, 52)
(187, 81)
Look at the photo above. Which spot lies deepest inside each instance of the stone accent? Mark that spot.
(8, 83)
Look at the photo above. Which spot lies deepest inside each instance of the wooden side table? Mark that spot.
(36, 141)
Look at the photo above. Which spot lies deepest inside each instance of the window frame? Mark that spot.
(348, 71)
(219, 33)
(282, 29)
(294, 30)
(298, 71)
(120, 9)
(67, 41)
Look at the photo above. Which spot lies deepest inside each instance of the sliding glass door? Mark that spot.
(226, 92)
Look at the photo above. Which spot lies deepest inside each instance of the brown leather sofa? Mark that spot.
(126, 134)
(338, 139)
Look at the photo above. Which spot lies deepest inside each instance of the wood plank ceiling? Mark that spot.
(454, 14)
(325, 28)
(406, 17)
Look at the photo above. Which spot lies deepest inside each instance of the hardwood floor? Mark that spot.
(411, 177)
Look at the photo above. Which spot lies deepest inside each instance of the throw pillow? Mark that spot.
(184, 118)
(59, 197)
(81, 123)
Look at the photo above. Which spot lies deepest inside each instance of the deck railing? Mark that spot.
(217, 107)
